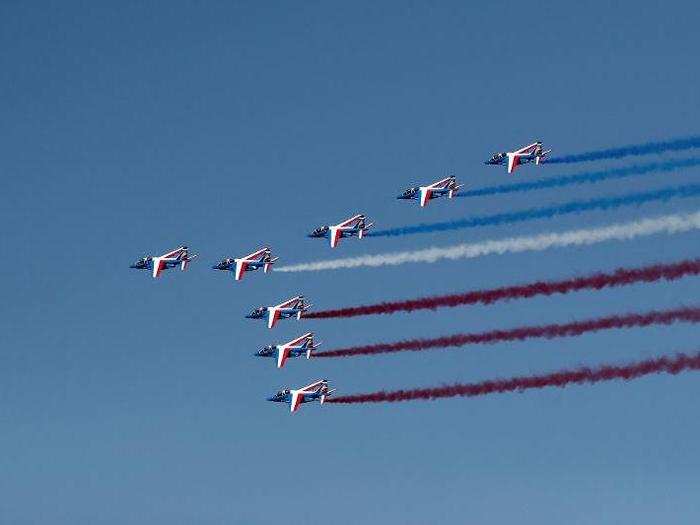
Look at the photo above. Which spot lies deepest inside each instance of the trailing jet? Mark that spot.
(532, 153)
(261, 259)
(293, 307)
(317, 391)
(356, 225)
(437, 189)
(298, 347)
(179, 257)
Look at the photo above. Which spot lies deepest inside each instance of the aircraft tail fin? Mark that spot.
(325, 395)
(268, 264)
(541, 157)
(186, 261)
(363, 230)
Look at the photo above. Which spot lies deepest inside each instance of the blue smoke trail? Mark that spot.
(585, 178)
(626, 151)
(606, 203)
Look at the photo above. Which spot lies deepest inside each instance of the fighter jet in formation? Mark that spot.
(317, 391)
(178, 257)
(532, 153)
(260, 259)
(437, 189)
(293, 307)
(354, 226)
(298, 347)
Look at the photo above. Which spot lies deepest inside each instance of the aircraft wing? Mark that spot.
(158, 266)
(313, 386)
(282, 355)
(291, 303)
(513, 161)
(439, 184)
(256, 256)
(175, 253)
(527, 149)
(299, 340)
(297, 400)
(241, 266)
(349, 223)
(272, 315)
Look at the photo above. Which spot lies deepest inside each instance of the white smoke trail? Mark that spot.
(667, 224)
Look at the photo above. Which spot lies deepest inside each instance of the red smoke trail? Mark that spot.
(619, 277)
(670, 365)
(690, 315)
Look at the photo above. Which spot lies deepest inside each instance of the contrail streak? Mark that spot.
(648, 148)
(667, 224)
(584, 178)
(568, 208)
(550, 331)
(596, 281)
(583, 375)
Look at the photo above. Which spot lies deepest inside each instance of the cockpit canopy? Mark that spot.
(258, 311)
(320, 230)
(409, 192)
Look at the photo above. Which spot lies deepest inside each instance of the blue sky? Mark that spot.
(128, 130)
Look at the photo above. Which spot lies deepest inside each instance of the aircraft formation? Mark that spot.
(295, 307)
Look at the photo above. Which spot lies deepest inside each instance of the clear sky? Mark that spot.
(127, 130)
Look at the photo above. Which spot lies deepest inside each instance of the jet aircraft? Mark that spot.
(260, 259)
(437, 189)
(293, 307)
(317, 391)
(178, 257)
(532, 153)
(356, 225)
(302, 345)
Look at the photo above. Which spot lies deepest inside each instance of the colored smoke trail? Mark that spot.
(577, 376)
(550, 331)
(667, 224)
(596, 281)
(584, 178)
(648, 148)
(573, 207)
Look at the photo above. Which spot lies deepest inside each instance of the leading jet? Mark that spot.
(437, 189)
(293, 307)
(317, 391)
(260, 259)
(532, 153)
(302, 345)
(178, 257)
(354, 226)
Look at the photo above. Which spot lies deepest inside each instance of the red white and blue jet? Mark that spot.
(532, 153)
(293, 307)
(445, 187)
(301, 346)
(317, 391)
(178, 257)
(354, 226)
(260, 259)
